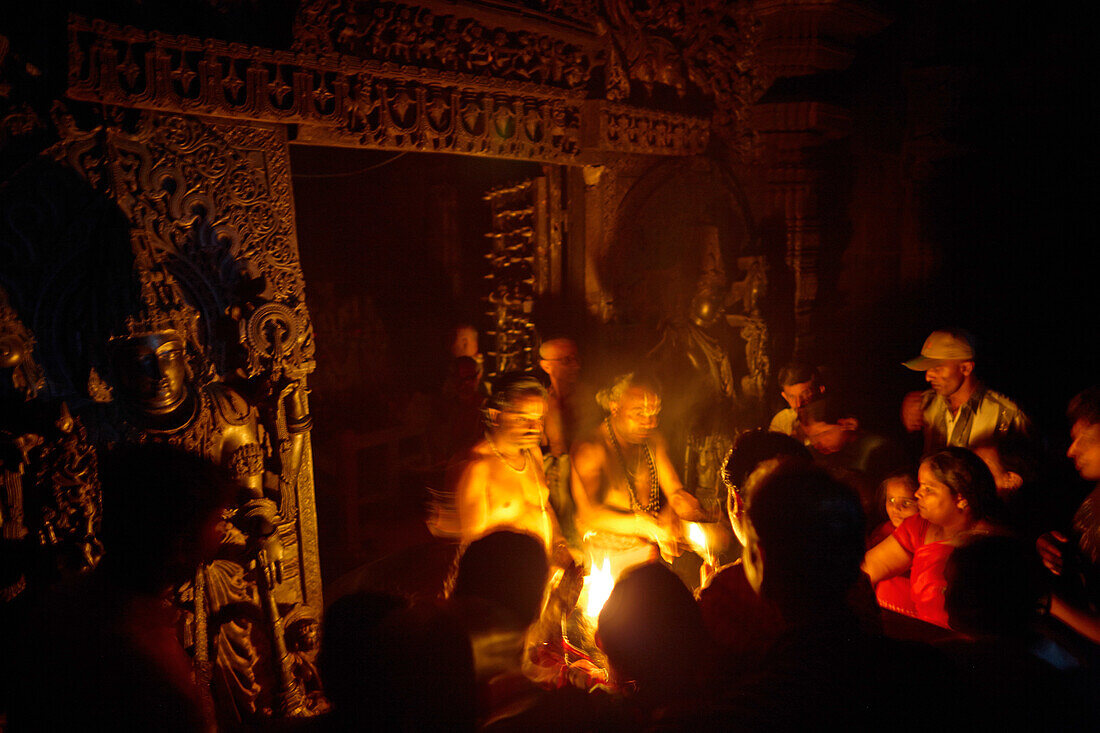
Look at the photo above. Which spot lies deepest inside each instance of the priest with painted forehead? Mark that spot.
(499, 482)
(629, 499)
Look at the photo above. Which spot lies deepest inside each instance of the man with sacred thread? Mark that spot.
(499, 482)
(628, 496)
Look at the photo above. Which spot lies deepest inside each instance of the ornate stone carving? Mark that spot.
(747, 296)
(622, 129)
(19, 120)
(337, 99)
(406, 34)
(207, 212)
(49, 492)
(500, 108)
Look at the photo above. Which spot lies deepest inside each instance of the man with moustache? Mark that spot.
(958, 410)
(499, 482)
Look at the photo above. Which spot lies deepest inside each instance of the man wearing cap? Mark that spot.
(958, 410)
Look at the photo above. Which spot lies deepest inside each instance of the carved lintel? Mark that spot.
(396, 97)
(337, 99)
(621, 128)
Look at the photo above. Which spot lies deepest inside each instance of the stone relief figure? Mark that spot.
(167, 391)
(49, 492)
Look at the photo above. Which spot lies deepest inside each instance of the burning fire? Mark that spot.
(698, 539)
(597, 587)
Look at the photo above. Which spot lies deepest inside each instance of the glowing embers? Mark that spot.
(597, 588)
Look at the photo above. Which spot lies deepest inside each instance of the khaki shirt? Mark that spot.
(987, 417)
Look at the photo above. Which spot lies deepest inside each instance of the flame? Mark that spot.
(698, 539)
(597, 588)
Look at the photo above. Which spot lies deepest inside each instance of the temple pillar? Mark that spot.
(793, 135)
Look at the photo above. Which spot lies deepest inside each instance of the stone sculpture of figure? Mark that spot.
(49, 494)
(163, 402)
(304, 642)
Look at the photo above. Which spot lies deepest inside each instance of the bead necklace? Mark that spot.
(653, 506)
(500, 455)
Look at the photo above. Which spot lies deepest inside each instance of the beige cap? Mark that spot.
(942, 346)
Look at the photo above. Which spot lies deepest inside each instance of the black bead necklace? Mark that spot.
(653, 506)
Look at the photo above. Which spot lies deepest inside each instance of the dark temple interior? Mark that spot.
(289, 289)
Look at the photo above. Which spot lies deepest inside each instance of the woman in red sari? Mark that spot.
(955, 498)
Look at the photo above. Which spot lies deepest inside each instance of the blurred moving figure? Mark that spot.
(499, 482)
(628, 496)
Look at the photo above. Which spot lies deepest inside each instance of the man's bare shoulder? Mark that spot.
(472, 461)
(589, 446)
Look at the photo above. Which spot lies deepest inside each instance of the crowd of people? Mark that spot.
(846, 581)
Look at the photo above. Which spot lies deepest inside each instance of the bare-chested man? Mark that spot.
(559, 358)
(628, 496)
(499, 483)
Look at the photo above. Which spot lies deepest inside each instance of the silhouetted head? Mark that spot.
(756, 446)
(351, 648)
(390, 667)
(507, 568)
(805, 540)
(652, 630)
(994, 587)
(162, 509)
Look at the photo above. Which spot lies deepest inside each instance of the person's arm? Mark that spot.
(559, 549)
(1085, 623)
(554, 429)
(685, 505)
(885, 560)
(1050, 546)
(472, 499)
(587, 469)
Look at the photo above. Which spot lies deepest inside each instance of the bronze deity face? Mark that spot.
(153, 370)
